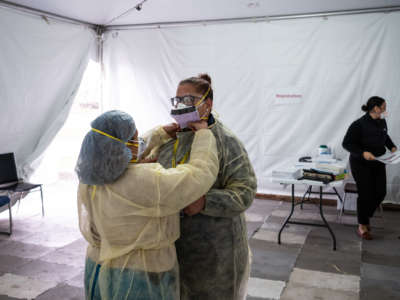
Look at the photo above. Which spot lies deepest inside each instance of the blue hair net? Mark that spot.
(103, 159)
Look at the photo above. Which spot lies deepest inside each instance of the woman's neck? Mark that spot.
(374, 115)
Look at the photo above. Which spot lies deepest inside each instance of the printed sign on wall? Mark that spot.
(287, 96)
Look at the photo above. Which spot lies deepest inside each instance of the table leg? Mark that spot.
(41, 196)
(308, 191)
(337, 194)
(323, 219)
(10, 216)
(287, 219)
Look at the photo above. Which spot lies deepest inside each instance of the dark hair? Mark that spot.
(372, 102)
(201, 83)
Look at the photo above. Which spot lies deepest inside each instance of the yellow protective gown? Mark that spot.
(212, 250)
(132, 224)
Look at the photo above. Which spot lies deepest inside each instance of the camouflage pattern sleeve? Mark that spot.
(236, 185)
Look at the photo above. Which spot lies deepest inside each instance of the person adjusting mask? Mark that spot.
(128, 212)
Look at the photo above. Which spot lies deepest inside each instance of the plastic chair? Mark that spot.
(9, 181)
(5, 200)
(351, 188)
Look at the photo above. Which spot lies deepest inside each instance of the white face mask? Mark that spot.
(184, 114)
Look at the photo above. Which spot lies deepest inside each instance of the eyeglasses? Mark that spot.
(188, 100)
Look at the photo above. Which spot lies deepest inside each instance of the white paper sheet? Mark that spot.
(390, 158)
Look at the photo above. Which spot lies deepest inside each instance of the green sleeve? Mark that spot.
(239, 183)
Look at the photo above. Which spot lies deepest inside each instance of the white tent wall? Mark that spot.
(41, 65)
(332, 66)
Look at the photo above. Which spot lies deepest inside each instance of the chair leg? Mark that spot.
(19, 200)
(41, 195)
(10, 217)
(9, 232)
(342, 209)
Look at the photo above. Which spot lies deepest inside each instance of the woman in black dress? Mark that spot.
(366, 139)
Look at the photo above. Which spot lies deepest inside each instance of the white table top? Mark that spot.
(337, 183)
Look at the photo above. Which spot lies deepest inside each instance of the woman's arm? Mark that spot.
(390, 145)
(154, 139)
(352, 140)
(186, 183)
(152, 191)
(240, 184)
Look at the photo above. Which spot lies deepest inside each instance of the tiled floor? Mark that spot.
(44, 258)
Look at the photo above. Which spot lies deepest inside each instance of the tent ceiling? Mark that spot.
(160, 11)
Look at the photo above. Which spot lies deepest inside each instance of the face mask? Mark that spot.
(184, 114)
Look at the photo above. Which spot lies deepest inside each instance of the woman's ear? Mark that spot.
(209, 103)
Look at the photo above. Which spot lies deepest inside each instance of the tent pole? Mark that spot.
(42, 13)
(100, 59)
(387, 9)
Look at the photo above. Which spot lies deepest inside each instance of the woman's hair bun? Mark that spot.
(205, 76)
(364, 108)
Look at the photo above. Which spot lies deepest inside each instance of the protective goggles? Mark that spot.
(189, 100)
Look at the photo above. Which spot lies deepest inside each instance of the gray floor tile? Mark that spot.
(325, 280)
(265, 288)
(346, 236)
(18, 286)
(317, 259)
(4, 297)
(287, 238)
(42, 270)
(64, 292)
(70, 258)
(384, 242)
(253, 227)
(24, 250)
(295, 291)
(381, 259)
(9, 263)
(317, 253)
(57, 237)
(372, 289)
(327, 210)
(76, 246)
(16, 234)
(274, 223)
(271, 261)
(77, 281)
(263, 206)
(379, 272)
(322, 238)
(254, 217)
